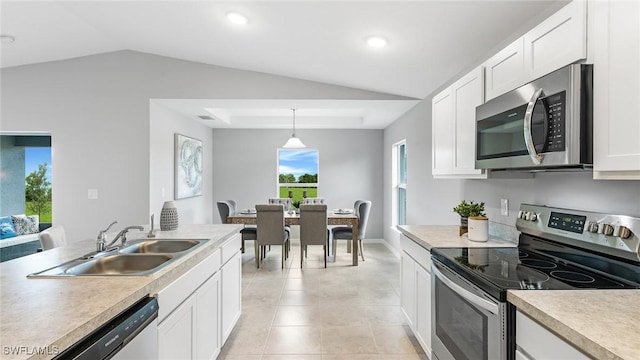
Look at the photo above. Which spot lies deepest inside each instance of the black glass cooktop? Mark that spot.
(497, 270)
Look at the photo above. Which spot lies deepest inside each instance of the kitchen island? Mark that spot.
(40, 317)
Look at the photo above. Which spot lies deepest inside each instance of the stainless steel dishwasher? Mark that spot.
(130, 335)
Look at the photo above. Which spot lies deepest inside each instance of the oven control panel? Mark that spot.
(605, 233)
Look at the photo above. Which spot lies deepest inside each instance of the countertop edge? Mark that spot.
(573, 337)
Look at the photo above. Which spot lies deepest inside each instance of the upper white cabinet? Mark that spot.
(614, 48)
(454, 127)
(505, 70)
(559, 40)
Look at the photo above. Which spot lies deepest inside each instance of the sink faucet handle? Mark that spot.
(101, 240)
(102, 233)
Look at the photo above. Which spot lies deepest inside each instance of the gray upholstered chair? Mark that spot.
(312, 201)
(52, 237)
(345, 233)
(356, 208)
(284, 201)
(313, 229)
(271, 230)
(228, 207)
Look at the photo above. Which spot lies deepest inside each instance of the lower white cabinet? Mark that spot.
(231, 294)
(198, 311)
(534, 342)
(415, 292)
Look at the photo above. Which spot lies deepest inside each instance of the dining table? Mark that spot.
(334, 217)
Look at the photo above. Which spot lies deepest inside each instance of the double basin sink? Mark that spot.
(142, 257)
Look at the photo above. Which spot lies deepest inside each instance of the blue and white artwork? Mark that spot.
(188, 167)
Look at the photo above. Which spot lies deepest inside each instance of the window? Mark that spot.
(399, 156)
(297, 174)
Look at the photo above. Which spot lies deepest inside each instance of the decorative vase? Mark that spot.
(478, 228)
(169, 216)
(464, 225)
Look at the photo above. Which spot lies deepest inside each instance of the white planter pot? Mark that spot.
(478, 228)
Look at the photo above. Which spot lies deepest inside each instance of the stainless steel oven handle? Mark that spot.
(468, 295)
(528, 135)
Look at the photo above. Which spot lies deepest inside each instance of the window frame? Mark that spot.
(296, 185)
(398, 185)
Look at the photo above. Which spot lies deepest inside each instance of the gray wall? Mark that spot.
(97, 110)
(245, 167)
(12, 177)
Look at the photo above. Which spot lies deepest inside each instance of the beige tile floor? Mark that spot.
(313, 313)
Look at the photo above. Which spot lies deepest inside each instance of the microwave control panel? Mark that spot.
(555, 107)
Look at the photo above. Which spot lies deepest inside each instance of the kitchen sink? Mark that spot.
(120, 264)
(161, 246)
(139, 258)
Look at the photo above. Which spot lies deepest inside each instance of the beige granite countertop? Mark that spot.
(430, 236)
(43, 316)
(605, 324)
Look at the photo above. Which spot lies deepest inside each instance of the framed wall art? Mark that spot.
(188, 167)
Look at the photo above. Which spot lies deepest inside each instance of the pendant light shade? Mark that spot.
(294, 142)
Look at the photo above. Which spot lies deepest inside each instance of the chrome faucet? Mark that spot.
(123, 236)
(101, 241)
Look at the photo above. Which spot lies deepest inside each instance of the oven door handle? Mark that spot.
(528, 131)
(466, 294)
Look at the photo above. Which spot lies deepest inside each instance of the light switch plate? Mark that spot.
(504, 207)
(92, 194)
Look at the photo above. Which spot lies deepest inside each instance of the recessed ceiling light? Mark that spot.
(7, 39)
(237, 18)
(376, 41)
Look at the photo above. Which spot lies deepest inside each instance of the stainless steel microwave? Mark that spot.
(545, 124)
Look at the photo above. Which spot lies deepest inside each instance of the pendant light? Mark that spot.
(294, 142)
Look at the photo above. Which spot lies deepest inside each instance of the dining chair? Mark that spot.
(227, 207)
(312, 201)
(271, 230)
(356, 208)
(52, 237)
(346, 233)
(313, 229)
(284, 201)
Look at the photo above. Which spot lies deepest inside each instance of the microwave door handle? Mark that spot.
(466, 294)
(528, 135)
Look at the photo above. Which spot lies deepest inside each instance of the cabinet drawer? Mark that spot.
(175, 293)
(421, 255)
(231, 247)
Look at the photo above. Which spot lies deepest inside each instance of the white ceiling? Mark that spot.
(429, 42)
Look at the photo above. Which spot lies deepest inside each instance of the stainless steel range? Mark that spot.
(558, 249)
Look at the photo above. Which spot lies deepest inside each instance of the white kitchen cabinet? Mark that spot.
(454, 127)
(176, 334)
(505, 70)
(535, 342)
(208, 341)
(198, 311)
(559, 40)
(614, 49)
(415, 290)
(442, 136)
(231, 294)
(407, 288)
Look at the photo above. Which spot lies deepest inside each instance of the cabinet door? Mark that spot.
(423, 308)
(176, 333)
(468, 93)
(208, 341)
(558, 41)
(231, 279)
(407, 288)
(505, 70)
(536, 342)
(614, 33)
(442, 133)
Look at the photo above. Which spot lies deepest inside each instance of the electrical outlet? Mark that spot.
(504, 207)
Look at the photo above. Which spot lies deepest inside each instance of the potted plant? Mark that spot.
(465, 210)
